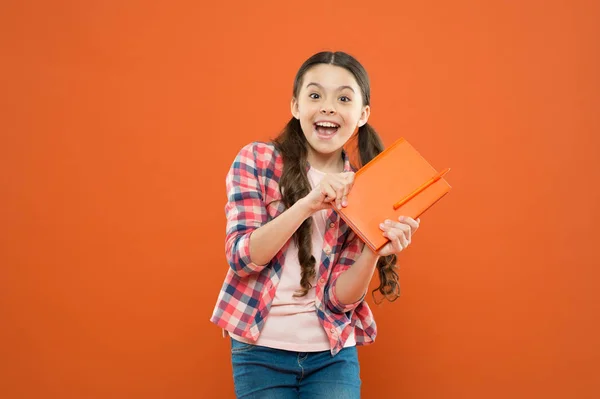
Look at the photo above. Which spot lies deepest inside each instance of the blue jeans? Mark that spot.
(267, 373)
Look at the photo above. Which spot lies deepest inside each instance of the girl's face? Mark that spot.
(329, 107)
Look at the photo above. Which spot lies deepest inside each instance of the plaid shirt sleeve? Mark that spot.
(351, 250)
(245, 210)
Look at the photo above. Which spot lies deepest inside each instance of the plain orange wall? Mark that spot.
(111, 205)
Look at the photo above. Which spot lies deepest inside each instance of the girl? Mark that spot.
(293, 297)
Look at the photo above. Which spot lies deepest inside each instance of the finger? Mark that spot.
(345, 192)
(386, 225)
(338, 188)
(403, 229)
(348, 177)
(345, 180)
(414, 224)
(323, 198)
(341, 194)
(349, 184)
(395, 240)
(328, 191)
(331, 185)
(406, 229)
(350, 180)
(404, 242)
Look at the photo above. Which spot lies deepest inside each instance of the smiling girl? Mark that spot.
(293, 298)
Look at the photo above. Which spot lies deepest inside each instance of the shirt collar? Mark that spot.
(347, 165)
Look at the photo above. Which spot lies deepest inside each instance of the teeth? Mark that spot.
(326, 124)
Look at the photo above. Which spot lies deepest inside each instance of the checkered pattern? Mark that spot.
(245, 298)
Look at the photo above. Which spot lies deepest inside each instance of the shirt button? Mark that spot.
(328, 251)
(332, 225)
(322, 280)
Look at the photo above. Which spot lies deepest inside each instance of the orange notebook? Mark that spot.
(397, 182)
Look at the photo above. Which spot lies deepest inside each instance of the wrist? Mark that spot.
(303, 207)
(369, 255)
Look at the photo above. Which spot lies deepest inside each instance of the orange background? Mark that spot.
(118, 125)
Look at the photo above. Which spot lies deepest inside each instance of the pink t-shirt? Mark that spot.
(292, 323)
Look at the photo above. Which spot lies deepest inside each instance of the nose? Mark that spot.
(327, 109)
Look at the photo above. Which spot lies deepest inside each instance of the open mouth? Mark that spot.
(326, 129)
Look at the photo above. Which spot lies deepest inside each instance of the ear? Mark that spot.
(294, 108)
(364, 116)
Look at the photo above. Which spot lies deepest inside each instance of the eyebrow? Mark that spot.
(339, 88)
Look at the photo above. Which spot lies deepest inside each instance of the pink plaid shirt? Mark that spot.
(248, 290)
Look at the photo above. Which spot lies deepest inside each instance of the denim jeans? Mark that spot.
(266, 373)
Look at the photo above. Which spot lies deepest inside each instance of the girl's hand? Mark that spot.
(333, 188)
(399, 233)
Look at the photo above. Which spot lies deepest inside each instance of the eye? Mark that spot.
(344, 99)
(314, 96)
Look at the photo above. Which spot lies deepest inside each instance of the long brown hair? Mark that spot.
(294, 183)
